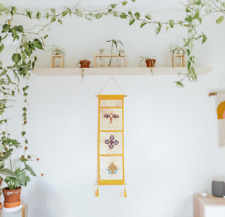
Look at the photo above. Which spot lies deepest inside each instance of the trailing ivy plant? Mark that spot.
(33, 39)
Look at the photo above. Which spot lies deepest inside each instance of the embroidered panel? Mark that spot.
(221, 117)
(111, 140)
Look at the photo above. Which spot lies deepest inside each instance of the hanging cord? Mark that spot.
(111, 78)
(219, 89)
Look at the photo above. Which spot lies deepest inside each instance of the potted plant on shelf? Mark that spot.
(150, 61)
(119, 52)
(115, 53)
(178, 56)
(57, 57)
(84, 63)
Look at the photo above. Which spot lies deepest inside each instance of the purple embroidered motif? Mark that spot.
(111, 142)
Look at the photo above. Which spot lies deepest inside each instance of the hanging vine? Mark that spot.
(30, 40)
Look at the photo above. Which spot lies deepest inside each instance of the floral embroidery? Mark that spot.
(112, 168)
(111, 116)
(111, 142)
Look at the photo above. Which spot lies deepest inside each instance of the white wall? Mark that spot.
(171, 141)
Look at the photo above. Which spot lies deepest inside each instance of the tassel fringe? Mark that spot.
(97, 192)
(125, 192)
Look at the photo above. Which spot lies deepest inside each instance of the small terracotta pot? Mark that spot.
(150, 62)
(12, 197)
(85, 64)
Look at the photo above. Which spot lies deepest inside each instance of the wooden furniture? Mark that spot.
(118, 71)
(57, 61)
(209, 206)
(6, 211)
(110, 56)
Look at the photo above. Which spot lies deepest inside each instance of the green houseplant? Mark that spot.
(175, 49)
(13, 178)
(115, 45)
(57, 50)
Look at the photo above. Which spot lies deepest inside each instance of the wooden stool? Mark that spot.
(15, 209)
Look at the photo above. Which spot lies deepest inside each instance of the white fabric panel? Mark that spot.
(105, 161)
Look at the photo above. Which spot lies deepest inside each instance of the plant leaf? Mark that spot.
(220, 20)
(7, 172)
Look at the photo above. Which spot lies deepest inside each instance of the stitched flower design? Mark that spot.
(111, 142)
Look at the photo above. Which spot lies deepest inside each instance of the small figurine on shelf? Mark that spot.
(178, 56)
(150, 61)
(57, 57)
(114, 58)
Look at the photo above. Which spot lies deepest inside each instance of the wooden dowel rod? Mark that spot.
(212, 94)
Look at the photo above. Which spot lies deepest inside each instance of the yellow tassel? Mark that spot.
(125, 192)
(97, 192)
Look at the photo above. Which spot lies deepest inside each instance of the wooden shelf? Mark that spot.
(117, 71)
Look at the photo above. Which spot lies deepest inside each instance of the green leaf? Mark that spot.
(28, 168)
(179, 84)
(16, 57)
(143, 24)
(113, 6)
(53, 19)
(157, 30)
(188, 19)
(123, 16)
(188, 52)
(148, 16)
(46, 36)
(5, 28)
(13, 11)
(137, 15)
(64, 13)
(198, 3)
(79, 13)
(38, 15)
(115, 14)
(130, 13)
(22, 178)
(98, 15)
(60, 22)
(204, 38)
(29, 14)
(132, 20)
(19, 28)
(220, 20)
(196, 16)
(187, 10)
(53, 10)
(7, 172)
(1, 47)
(171, 22)
(38, 44)
(124, 2)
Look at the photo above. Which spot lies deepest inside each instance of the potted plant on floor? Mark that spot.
(13, 178)
(150, 61)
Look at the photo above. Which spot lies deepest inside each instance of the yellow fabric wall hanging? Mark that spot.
(111, 140)
(220, 98)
